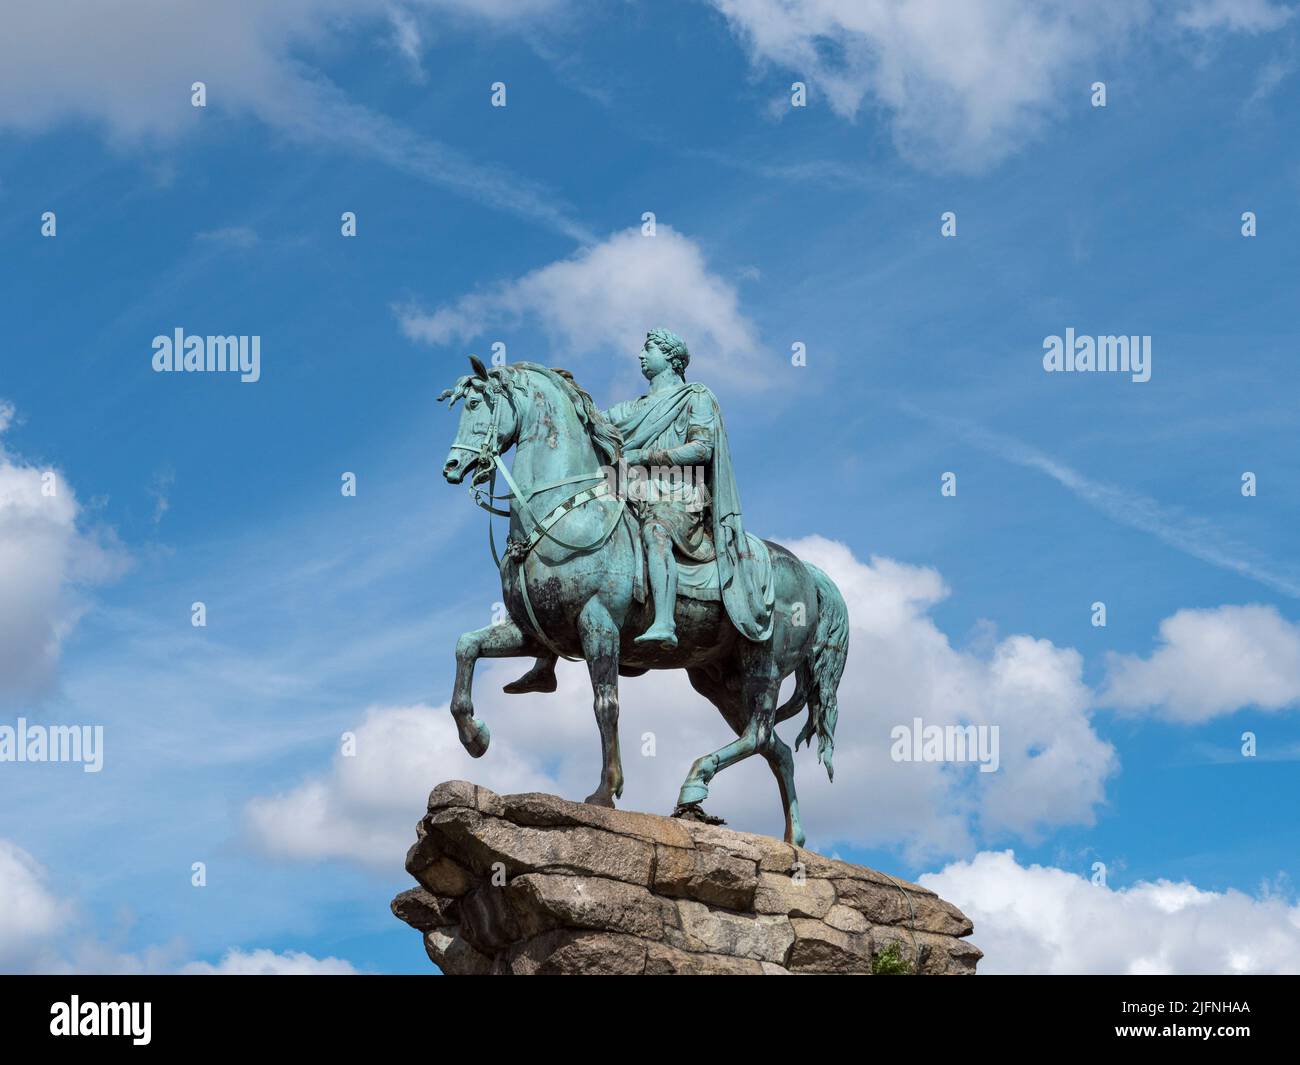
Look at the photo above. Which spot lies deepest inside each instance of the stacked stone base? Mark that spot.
(534, 884)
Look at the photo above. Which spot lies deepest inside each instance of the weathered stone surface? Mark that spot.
(897, 904)
(819, 948)
(663, 960)
(424, 911)
(449, 951)
(534, 808)
(484, 841)
(442, 876)
(453, 793)
(549, 900)
(779, 893)
(847, 920)
(532, 884)
(712, 876)
(763, 937)
(597, 954)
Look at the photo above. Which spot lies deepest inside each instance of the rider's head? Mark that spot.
(673, 348)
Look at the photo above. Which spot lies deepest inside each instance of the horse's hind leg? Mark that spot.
(778, 756)
(505, 639)
(600, 637)
(759, 695)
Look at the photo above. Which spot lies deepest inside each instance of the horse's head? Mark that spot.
(489, 423)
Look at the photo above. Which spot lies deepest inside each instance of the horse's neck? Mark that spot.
(552, 446)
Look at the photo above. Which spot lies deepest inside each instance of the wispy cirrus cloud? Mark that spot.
(230, 237)
(1191, 535)
(128, 70)
(1243, 16)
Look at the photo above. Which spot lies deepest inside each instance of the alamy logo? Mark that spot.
(53, 743)
(687, 485)
(919, 742)
(102, 1018)
(1080, 354)
(212, 354)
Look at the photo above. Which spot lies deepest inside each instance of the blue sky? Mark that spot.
(775, 225)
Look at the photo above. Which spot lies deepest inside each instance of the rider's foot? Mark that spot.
(537, 679)
(663, 635)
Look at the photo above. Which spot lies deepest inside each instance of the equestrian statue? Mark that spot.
(626, 550)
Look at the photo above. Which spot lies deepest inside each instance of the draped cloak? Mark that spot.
(747, 597)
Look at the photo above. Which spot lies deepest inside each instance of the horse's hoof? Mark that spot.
(598, 798)
(475, 737)
(693, 811)
(692, 795)
(532, 681)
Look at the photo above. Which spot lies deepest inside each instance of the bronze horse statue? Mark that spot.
(571, 575)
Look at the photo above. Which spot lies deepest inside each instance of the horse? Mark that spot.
(569, 580)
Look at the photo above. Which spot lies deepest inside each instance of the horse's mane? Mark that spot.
(605, 435)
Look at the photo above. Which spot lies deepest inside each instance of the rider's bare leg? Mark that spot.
(663, 585)
(541, 678)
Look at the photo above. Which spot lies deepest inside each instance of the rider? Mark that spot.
(686, 499)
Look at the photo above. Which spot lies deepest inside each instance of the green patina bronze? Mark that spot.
(626, 550)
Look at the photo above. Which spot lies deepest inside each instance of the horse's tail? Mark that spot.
(818, 676)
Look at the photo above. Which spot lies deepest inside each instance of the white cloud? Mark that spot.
(964, 84)
(30, 913)
(128, 70)
(1041, 920)
(902, 665)
(365, 807)
(1245, 16)
(265, 962)
(45, 557)
(1211, 662)
(604, 298)
(1054, 766)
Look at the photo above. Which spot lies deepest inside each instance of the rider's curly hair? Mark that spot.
(674, 347)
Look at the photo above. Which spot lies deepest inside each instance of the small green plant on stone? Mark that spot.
(890, 962)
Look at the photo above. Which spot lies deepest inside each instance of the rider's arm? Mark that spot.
(698, 448)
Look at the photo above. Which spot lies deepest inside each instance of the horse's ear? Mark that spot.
(479, 369)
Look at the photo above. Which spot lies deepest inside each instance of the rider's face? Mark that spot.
(653, 361)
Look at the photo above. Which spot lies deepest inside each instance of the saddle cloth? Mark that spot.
(695, 580)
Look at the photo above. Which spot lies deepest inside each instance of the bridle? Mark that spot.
(488, 457)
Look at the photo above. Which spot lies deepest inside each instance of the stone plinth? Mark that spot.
(523, 884)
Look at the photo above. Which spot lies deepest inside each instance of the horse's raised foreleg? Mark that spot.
(599, 637)
(503, 640)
